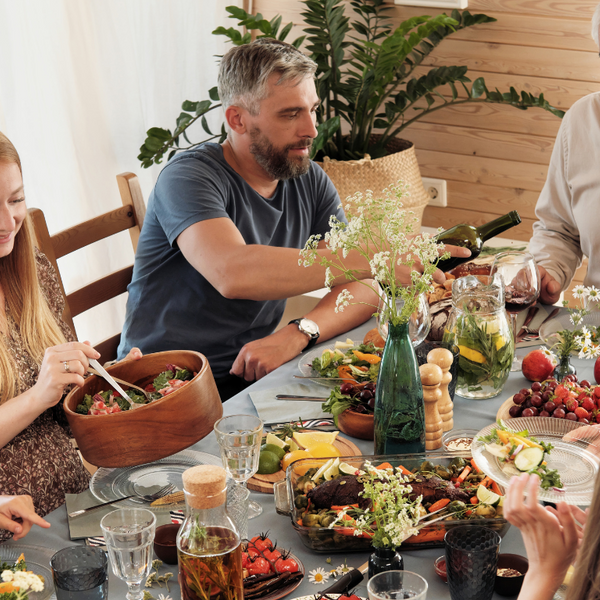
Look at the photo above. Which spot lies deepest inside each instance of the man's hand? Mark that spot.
(18, 515)
(549, 289)
(258, 358)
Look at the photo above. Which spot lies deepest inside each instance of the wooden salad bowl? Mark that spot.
(358, 425)
(153, 431)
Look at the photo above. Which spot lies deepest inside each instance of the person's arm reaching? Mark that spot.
(21, 508)
(258, 358)
(217, 250)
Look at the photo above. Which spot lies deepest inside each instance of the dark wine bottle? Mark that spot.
(473, 238)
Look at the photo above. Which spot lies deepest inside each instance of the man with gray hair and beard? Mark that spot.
(568, 204)
(218, 253)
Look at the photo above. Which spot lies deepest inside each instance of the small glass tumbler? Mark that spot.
(80, 573)
(397, 585)
(471, 562)
(237, 507)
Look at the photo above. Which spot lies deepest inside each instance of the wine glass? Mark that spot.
(239, 438)
(418, 325)
(129, 534)
(521, 287)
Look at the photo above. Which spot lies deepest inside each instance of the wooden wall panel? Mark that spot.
(495, 158)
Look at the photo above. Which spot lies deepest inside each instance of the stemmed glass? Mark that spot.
(521, 287)
(129, 533)
(239, 438)
(418, 325)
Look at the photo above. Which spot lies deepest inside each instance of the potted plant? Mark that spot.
(367, 83)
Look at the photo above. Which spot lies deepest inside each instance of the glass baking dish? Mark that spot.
(326, 540)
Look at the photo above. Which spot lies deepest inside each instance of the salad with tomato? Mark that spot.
(353, 364)
(521, 453)
(109, 401)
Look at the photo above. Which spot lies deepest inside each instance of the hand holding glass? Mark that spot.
(239, 438)
(521, 286)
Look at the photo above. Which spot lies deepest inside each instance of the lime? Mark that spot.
(273, 439)
(291, 444)
(486, 496)
(323, 468)
(268, 463)
(277, 450)
(333, 470)
(347, 469)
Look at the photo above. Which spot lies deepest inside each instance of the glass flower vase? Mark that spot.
(564, 368)
(399, 407)
(385, 559)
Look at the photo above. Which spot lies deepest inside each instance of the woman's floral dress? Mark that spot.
(40, 461)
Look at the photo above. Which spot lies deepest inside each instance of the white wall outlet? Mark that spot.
(436, 190)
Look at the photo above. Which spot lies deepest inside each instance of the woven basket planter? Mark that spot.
(351, 176)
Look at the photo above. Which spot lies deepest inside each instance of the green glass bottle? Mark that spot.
(399, 406)
(473, 238)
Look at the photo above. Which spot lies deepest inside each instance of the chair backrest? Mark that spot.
(128, 217)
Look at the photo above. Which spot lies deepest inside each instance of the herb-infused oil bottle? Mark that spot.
(208, 545)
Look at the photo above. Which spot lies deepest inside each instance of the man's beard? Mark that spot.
(275, 161)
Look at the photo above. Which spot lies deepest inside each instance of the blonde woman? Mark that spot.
(38, 359)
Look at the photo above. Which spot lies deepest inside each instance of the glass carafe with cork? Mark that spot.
(208, 544)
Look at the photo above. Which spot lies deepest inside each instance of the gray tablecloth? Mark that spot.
(467, 414)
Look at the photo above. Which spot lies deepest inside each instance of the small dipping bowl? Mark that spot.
(458, 440)
(440, 568)
(511, 586)
(165, 543)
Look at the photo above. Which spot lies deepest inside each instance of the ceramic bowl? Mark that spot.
(358, 425)
(511, 586)
(165, 543)
(440, 568)
(153, 431)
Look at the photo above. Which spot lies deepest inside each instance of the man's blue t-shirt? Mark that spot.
(171, 306)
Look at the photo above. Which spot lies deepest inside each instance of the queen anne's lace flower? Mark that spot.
(382, 232)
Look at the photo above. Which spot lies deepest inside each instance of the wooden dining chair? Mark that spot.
(128, 217)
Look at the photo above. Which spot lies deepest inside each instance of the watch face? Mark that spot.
(309, 326)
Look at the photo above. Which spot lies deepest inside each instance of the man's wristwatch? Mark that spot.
(309, 328)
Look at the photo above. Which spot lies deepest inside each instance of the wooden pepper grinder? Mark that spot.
(443, 358)
(431, 377)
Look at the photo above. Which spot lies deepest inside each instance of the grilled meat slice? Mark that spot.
(338, 492)
(435, 488)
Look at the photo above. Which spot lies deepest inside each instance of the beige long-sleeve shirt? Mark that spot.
(568, 208)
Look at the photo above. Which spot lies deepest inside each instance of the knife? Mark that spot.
(348, 581)
(306, 398)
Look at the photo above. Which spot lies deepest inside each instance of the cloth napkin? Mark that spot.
(271, 410)
(540, 317)
(88, 525)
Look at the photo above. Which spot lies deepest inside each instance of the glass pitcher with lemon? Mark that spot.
(479, 325)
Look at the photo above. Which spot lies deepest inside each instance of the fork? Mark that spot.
(526, 331)
(163, 491)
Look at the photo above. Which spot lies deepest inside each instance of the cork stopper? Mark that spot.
(441, 357)
(205, 486)
(431, 374)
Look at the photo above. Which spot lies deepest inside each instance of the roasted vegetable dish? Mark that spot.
(453, 487)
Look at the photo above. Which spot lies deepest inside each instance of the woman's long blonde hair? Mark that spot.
(23, 297)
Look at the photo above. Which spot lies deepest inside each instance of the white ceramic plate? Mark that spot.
(110, 484)
(306, 370)
(576, 465)
(549, 330)
(37, 560)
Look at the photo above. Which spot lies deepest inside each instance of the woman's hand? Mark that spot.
(63, 365)
(551, 537)
(19, 507)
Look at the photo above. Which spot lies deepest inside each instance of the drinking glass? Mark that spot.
(129, 534)
(80, 573)
(418, 325)
(397, 585)
(239, 438)
(521, 288)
